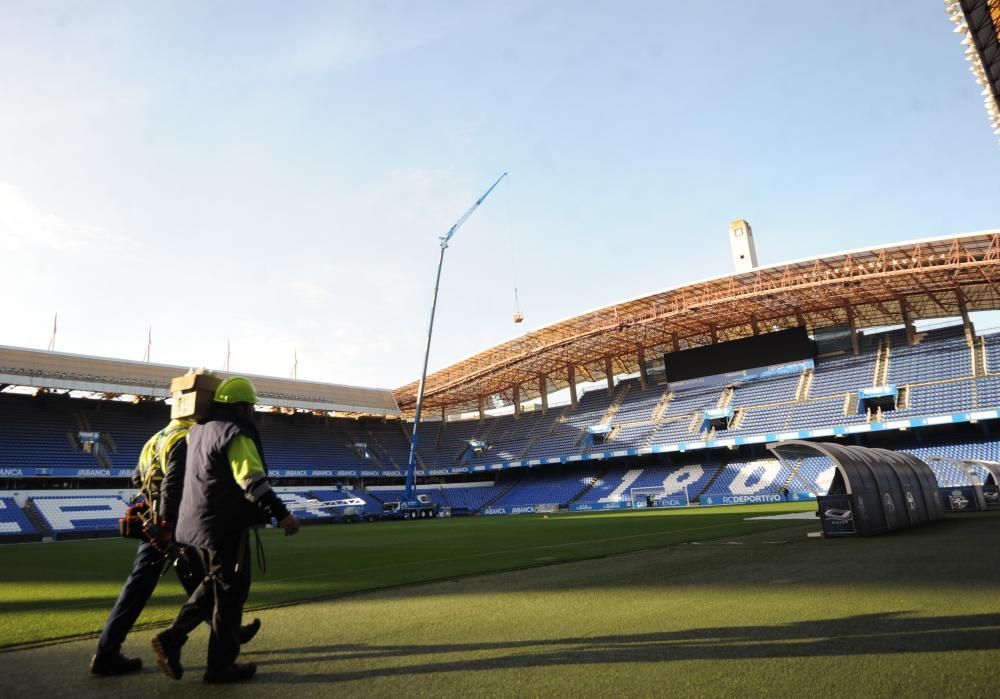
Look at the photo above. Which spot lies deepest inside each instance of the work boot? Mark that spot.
(233, 673)
(167, 647)
(112, 665)
(248, 631)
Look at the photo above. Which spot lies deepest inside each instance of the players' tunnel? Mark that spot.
(969, 485)
(991, 482)
(873, 491)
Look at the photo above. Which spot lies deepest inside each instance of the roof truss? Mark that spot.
(874, 286)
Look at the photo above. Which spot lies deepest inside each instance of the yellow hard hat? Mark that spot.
(236, 389)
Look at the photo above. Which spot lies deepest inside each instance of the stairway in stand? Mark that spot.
(588, 486)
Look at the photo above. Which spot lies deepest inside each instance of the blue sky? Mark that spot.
(276, 175)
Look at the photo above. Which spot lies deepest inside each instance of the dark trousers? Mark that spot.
(220, 597)
(146, 570)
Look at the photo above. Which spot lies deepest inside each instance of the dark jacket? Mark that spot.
(215, 510)
(172, 487)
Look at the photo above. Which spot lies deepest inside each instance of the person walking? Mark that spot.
(160, 476)
(226, 493)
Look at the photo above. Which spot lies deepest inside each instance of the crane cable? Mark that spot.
(518, 316)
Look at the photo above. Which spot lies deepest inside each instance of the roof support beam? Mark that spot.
(643, 376)
(571, 378)
(482, 411)
(904, 312)
(855, 345)
(623, 365)
(543, 392)
(517, 399)
(609, 373)
(963, 309)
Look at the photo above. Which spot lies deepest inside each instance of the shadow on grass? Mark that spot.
(873, 634)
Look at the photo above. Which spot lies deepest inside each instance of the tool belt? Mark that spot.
(132, 525)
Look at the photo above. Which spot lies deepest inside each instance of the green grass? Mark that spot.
(54, 590)
(697, 602)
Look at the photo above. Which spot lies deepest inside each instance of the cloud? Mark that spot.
(347, 34)
(309, 292)
(25, 226)
(351, 35)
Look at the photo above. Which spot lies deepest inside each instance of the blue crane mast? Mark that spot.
(408, 499)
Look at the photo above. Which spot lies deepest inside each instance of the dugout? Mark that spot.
(991, 482)
(968, 485)
(873, 491)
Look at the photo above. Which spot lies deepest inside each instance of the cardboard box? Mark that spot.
(198, 380)
(194, 405)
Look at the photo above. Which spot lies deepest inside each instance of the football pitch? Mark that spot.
(694, 602)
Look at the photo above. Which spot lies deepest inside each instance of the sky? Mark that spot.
(275, 176)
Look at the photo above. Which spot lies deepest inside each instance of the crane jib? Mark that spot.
(412, 462)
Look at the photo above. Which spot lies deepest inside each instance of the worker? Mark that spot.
(160, 476)
(226, 493)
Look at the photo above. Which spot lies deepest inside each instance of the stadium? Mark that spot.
(606, 508)
(931, 391)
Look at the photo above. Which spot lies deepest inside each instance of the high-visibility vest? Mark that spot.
(152, 464)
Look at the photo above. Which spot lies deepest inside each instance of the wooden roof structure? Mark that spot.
(889, 285)
(56, 370)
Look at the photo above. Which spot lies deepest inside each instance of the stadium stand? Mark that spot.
(691, 479)
(39, 434)
(123, 433)
(948, 474)
(616, 483)
(14, 523)
(813, 475)
(986, 450)
(509, 438)
(937, 355)
(766, 391)
(79, 514)
(391, 442)
(306, 442)
(449, 443)
(639, 404)
(542, 488)
(608, 486)
(938, 374)
(471, 497)
(749, 478)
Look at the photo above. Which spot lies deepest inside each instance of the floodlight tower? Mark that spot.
(412, 463)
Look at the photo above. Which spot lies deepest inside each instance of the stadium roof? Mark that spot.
(978, 22)
(904, 282)
(56, 370)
